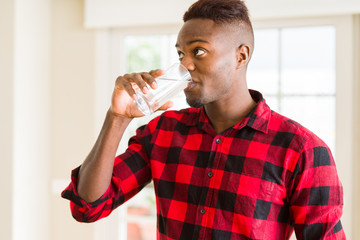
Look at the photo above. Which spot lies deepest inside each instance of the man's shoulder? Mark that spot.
(283, 124)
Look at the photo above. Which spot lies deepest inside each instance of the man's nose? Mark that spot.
(188, 63)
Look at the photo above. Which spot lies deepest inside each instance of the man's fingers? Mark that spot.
(157, 73)
(134, 81)
(123, 84)
(166, 106)
(149, 79)
(138, 79)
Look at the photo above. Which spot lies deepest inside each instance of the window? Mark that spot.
(295, 70)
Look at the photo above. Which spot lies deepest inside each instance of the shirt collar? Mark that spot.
(258, 118)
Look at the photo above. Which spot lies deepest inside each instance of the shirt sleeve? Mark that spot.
(317, 200)
(131, 173)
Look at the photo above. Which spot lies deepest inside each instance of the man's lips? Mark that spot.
(190, 86)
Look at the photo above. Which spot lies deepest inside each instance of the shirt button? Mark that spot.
(202, 211)
(218, 140)
(210, 174)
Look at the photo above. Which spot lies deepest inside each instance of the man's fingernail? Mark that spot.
(145, 90)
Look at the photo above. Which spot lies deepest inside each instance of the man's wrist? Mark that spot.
(118, 119)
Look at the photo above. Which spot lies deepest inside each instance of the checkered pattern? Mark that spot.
(260, 179)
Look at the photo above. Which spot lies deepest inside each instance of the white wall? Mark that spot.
(31, 120)
(24, 123)
(47, 127)
(105, 13)
(108, 13)
(263, 9)
(72, 109)
(6, 119)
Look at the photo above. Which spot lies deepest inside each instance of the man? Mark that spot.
(226, 168)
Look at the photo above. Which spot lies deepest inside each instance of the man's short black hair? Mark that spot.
(220, 11)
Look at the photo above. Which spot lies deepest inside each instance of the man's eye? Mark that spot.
(199, 52)
(181, 55)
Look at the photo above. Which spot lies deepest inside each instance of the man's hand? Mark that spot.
(122, 103)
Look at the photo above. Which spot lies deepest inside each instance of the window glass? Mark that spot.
(143, 53)
(308, 60)
(314, 112)
(141, 215)
(263, 70)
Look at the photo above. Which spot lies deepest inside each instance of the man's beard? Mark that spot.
(195, 103)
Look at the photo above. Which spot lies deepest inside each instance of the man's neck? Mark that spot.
(226, 114)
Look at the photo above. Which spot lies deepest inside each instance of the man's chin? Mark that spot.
(195, 103)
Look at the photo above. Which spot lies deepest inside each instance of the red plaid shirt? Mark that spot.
(260, 179)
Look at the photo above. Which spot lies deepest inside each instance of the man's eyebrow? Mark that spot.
(193, 41)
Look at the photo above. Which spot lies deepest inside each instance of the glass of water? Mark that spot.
(175, 80)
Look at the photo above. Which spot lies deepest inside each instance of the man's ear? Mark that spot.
(242, 55)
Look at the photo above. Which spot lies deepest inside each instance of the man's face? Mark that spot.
(209, 52)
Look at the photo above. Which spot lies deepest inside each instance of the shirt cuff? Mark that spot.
(71, 193)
